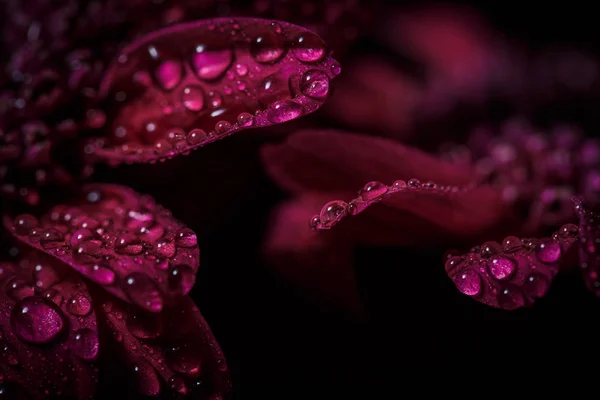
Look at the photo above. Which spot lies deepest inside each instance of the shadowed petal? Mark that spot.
(589, 245)
(48, 333)
(189, 85)
(174, 349)
(119, 239)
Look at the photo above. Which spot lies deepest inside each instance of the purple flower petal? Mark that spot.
(119, 239)
(191, 84)
(48, 333)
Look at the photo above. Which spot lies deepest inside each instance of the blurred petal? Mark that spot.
(589, 246)
(320, 265)
(174, 349)
(189, 85)
(48, 333)
(512, 274)
(121, 240)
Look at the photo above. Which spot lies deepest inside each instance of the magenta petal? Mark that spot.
(48, 333)
(173, 349)
(589, 246)
(119, 239)
(191, 84)
(512, 274)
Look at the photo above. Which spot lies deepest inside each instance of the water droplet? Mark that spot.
(128, 243)
(36, 320)
(489, 249)
(186, 238)
(536, 285)
(181, 279)
(512, 244)
(45, 276)
(184, 359)
(413, 183)
(54, 296)
(548, 251)
(284, 110)
(372, 191)
(165, 248)
(169, 74)
(147, 381)
(19, 289)
(452, 263)
(336, 69)
(51, 239)
(79, 305)
(267, 48)
(83, 235)
(510, 298)
(245, 119)
(163, 147)
(195, 137)
(193, 98)
(35, 234)
(142, 291)
(569, 231)
(501, 268)
(211, 64)
(100, 273)
(468, 282)
(399, 185)
(332, 212)
(222, 127)
(84, 344)
(23, 224)
(241, 69)
(145, 326)
(314, 84)
(177, 384)
(308, 47)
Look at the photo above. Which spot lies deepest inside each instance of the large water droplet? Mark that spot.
(548, 251)
(211, 64)
(23, 224)
(468, 282)
(186, 238)
(489, 249)
(165, 248)
(569, 231)
(100, 273)
(512, 244)
(143, 292)
(501, 268)
(128, 243)
(222, 127)
(284, 110)
(181, 279)
(510, 298)
(83, 235)
(79, 305)
(372, 191)
(52, 239)
(314, 84)
(145, 326)
(193, 98)
(332, 212)
(452, 263)
(308, 47)
(184, 359)
(169, 74)
(196, 136)
(36, 320)
(84, 344)
(267, 48)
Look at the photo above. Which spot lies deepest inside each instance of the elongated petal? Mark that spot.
(121, 240)
(174, 349)
(589, 245)
(48, 333)
(512, 274)
(189, 85)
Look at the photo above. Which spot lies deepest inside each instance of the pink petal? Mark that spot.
(48, 333)
(119, 239)
(191, 84)
(512, 274)
(589, 245)
(174, 349)
(320, 265)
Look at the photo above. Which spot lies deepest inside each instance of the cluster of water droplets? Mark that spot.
(120, 240)
(172, 92)
(373, 192)
(513, 273)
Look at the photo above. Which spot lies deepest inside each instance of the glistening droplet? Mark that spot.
(36, 320)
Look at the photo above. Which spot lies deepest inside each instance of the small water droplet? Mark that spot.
(512, 244)
(165, 248)
(84, 344)
(489, 249)
(332, 212)
(211, 64)
(83, 235)
(100, 273)
(569, 231)
(79, 305)
(36, 320)
(372, 191)
(267, 48)
(548, 251)
(283, 111)
(181, 279)
(245, 119)
(452, 263)
(18, 289)
(536, 285)
(413, 183)
(314, 84)
(142, 291)
(45, 276)
(23, 224)
(222, 127)
(186, 238)
(195, 137)
(54, 296)
(215, 100)
(308, 48)
(510, 298)
(128, 243)
(169, 74)
(241, 69)
(193, 98)
(51, 239)
(468, 282)
(501, 268)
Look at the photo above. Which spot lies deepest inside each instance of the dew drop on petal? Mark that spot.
(195, 136)
(452, 263)
(501, 268)
(548, 251)
(83, 235)
(128, 243)
(468, 282)
(143, 292)
(314, 84)
(222, 127)
(211, 64)
(245, 119)
(510, 298)
(267, 48)
(569, 231)
(372, 191)
(169, 74)
(308, 47)
(192, 98)
(100, 273)
(512, 244)
(536, 285)
(36, 320)
(284, 110)
(489, 249)
(186, 238)
(79, 305)
(54, 296)
(332, 212)
(51, 239)
(181, 279)
(18, 289)
(84, 344)
(23, 224)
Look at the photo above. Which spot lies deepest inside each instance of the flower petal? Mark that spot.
(589, 245)
(48, 333)
(320, 265)
(512, 274)
(175, 346)
(191, 84)
(121, 240)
